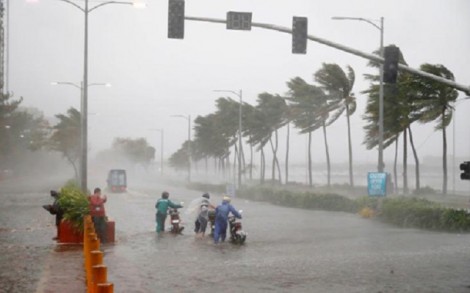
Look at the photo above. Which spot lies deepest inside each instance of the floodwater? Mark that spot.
(287, 249)
(30, 260)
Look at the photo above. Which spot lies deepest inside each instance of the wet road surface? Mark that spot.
(30, 260)
(286, 250)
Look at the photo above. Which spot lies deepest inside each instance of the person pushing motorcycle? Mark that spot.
(221, 217)
(162, 206)
(203, 216)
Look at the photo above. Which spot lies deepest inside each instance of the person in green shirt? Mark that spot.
(162, 206)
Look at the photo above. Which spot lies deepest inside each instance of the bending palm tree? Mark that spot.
(338, 87)
(436, 101)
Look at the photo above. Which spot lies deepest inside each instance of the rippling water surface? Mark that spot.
(286, 249)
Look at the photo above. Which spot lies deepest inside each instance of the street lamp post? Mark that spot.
(239, 95)
(381, 165)
(83, 134)
(161, 148)
(84, 123)
(189, 142)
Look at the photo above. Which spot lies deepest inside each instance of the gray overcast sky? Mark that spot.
(154, 77)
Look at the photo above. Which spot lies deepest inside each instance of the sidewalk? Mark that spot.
(63, 271)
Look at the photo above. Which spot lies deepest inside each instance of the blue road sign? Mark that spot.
(377, 184)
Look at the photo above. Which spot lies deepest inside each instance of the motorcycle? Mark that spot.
(212, 221)
(237, 235)
(175, 221)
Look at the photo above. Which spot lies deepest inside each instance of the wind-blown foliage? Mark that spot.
(74, 204)
(137, 151)
(434, 101)
(304, 103)
(180, 158)
(273, 108)
(338, 87)
(65, 137)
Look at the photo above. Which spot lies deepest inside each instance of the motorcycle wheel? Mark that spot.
(239, 238)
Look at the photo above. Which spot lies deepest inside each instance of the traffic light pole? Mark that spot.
(368, 56)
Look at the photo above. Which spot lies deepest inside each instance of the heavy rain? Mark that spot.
(336, 132)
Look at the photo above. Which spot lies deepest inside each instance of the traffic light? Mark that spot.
(175, 19)
(465, 167)
(299, 35)
(391, 55)
(239, 20)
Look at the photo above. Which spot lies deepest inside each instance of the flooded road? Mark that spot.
(30, 261)
(286, 250)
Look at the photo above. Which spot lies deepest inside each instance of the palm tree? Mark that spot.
(228, 121)
(304, 102)
(399, 113)
(338, 87)
(392, 129)
(273, 108)
(435, 100)
(258, 132)
(209, 139)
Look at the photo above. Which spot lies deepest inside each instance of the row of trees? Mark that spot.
(307, 107)
(22, 130)
(412, 100)
(26, 130)
(310, 107)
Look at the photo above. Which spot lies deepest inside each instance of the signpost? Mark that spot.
(377, 184)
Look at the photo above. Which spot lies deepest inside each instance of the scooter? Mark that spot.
(237, 235)
(175, 221)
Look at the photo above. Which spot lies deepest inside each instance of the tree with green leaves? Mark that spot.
(273, 108)
(305, 101)
(7, 108)
(228, 113)
(209, 140)
(338, 86)
(65, 137)
(399, 114)
(180, 159)
(435, 101)
(258, 132)
(136, 151)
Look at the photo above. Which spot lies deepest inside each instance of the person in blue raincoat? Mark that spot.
(162, 206)
(221, 218)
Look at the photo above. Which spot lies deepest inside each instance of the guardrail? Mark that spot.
(96, 271)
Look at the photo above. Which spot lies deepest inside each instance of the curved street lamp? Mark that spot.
(239, 95)
(84, 123)
(381, 165)
(83, 145)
